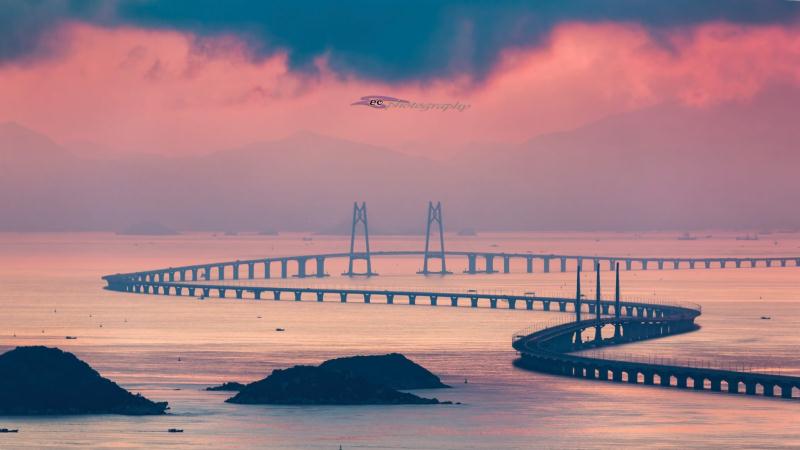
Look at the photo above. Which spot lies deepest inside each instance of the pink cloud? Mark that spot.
(153, 91)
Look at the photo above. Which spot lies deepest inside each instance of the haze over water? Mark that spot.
(52, 288)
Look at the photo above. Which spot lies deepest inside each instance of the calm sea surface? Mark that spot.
(50, 287)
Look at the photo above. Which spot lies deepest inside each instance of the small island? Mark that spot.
(310, 385)
(232, 386)
(393, 370)
(48, 381)
(354, 380)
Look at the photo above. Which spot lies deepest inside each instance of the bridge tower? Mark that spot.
(578, 305)
(616, 307)
(598, 328)
(359, 216)
(434, 216)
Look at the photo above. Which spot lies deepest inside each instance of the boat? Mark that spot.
(766, 317)
(686, 237)
(9, 430)
(747, 237)
(70, 337)
(280, 329)
(175, 430)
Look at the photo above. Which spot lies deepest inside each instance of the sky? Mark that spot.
(121, 79)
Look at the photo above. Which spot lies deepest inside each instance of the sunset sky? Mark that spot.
(182, 77)
(622, 114)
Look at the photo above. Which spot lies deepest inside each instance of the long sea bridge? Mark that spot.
(559, 349)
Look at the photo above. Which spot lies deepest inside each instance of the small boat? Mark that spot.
(766, 317)
(686, 237)
(280, 329)
(9, 430)
(175, 430)
(70, 337)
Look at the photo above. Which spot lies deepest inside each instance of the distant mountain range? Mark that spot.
(667, 167)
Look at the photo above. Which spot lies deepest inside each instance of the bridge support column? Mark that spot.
(194, 274)
(648, 378)
(628, 264)
(412, 299)
(453, 301)
(473, 302)
(547, 264)
(529, 304)
(769, 389)
(276, 295)
(769, 262)
(512, 303)
(266, 269)
(722, 263)
(616, 375)
(783, 263)
(716, 384)
(471, 263)
(707, 263)
(644, 264)
(390, 299)
(320, 296)
(221, 271)
(489, 261)
(663, 379)
(545, 305)
(733, 386)
(256, 294)
(563, 264)
(506, 264)
(284, 268)
(321, 267)
(236, 271)
(251, 271)
(301, 267)
(529, 264)
(691, 264)
(786, 391)
(367, 297)
(343, 297)
(676, 264)
(239, 293)
(750, 387)
(660, 264)
(298, 296)
(493, 303)
(738, 263)
(562, 306)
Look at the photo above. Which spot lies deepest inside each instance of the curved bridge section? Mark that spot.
(551, 350)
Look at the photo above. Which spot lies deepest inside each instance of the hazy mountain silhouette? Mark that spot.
(666, 167)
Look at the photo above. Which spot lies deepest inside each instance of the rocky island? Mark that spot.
(310, 385)
(42, 380)
(227, 386)
(393, 370)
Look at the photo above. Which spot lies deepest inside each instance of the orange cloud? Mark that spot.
(129, 89)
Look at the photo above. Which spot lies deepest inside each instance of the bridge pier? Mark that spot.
(434, 299)
(738, 263)
(707, 263)
(342, 297)
(562, 306)
(221, 292)
(235, 271)
(221, 271)
(563, 264)
(320, 296)
(722, 263)
(284, 268)
(769, 262)
(546, 261)
(453, 301)
(506, 264)
(493, 303)
(512, 303)
(471, 263)
(412, 299)
(390, 299)
(644, 264)
(628, 264)
(473, 302)
(489, 261)
(367, 297)
(239, 293)
(692, 263)
(529, 304)
(753, 263)
(321, 267)
(783, 263)
(256, 294)
(301, 267)
(660, 264)
(545, 305)
(276, 295)
(529, 264)
(266, 269)
(750, 387)
(676, 265)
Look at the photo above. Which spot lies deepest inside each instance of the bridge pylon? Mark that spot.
(598, 328)
(434, 216)
(617, 327)
(578, 305)
(359, 216)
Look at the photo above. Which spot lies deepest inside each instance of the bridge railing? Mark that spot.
(694, 363)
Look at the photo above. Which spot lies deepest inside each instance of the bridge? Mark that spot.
(477, 262)
(551, 349)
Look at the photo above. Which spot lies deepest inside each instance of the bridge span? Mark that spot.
(477, 262)
(550, 350)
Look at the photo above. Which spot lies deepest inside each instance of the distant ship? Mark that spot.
(70, 337)
(686, 237)
(747, 237)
